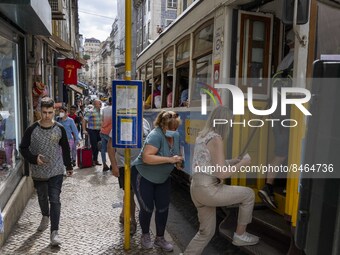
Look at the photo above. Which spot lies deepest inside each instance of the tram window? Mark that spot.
(167, 89)
(156, 94)
(148, 94)
(203, 41)
(202, 78)
(182, 86)
(142, 73)
(254, 53)
(183, 51)
(157, 66)
(149, 70)
(168, 59)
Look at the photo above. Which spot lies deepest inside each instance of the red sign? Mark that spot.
(70, 70)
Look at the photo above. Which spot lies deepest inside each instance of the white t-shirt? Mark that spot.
(120, 153)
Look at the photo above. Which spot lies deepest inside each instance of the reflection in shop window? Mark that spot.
(9, 122)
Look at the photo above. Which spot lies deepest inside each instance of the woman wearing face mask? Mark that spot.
(71, 131)
(150, 176)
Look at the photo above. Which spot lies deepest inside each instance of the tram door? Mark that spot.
(253, 69)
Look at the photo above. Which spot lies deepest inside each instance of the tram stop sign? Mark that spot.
(127, 119)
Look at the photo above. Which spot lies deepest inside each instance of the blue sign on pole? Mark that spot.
(127, 119)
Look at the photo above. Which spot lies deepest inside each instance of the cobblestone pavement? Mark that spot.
(89, 224)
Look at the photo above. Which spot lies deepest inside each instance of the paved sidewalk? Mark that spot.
(89, 224)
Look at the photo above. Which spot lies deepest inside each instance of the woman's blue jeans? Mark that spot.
(151, 194)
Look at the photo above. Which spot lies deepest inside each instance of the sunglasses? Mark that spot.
(172, 115)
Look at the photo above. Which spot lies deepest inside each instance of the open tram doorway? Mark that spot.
(260, 48)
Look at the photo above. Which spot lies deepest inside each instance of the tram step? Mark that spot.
(272, 223)
(273, 240)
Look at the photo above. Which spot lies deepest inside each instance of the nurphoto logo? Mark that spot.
(302, 96)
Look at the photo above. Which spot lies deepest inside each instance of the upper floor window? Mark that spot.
(172, 4)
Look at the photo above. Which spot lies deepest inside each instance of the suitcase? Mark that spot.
(84, 155)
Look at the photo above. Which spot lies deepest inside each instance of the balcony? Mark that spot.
(57, 9)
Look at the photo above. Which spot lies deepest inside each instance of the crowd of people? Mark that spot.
(151, 165)
(150, 170)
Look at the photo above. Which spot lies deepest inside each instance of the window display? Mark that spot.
(9, 121)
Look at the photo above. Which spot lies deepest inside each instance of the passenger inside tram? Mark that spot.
(156, 95)
(169, 93)
(281, 134)
(184, 92)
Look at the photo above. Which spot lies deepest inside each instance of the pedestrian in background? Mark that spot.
(117, 158)
(105, 131)
(81, 114)
(208, 191)
(151, 176)
(71, 131)
(92, 124)
(45, 146)
(73, 115)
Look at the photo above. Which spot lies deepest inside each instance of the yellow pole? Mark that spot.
(127, 171)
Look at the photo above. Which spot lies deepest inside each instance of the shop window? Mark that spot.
(9, 109)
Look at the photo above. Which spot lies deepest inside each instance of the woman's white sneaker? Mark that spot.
(245, 239)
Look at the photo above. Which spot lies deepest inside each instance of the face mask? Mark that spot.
(170, 133)
(61, 114)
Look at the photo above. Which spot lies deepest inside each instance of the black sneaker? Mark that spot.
(267, 197)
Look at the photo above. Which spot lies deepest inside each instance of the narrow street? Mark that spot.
(91, 204)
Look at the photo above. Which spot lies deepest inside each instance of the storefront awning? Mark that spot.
(59, 45)
(76, 89)
(81, 61)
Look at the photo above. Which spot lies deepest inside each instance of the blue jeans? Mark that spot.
(105, 141)
(49, 192)
(151, 194)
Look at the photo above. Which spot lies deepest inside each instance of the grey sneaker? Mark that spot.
(245, 239)
(43, 223)
(146, 241)
(162, 243)
(55, 241)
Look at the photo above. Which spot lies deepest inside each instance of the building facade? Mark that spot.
(34, 36)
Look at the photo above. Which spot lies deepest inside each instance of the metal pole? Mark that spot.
(127, 171)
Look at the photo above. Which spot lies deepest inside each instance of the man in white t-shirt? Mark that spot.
(117, 158)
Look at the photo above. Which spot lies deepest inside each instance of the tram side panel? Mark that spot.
(319, 208)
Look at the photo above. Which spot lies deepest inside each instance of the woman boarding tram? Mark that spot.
(240, 43)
